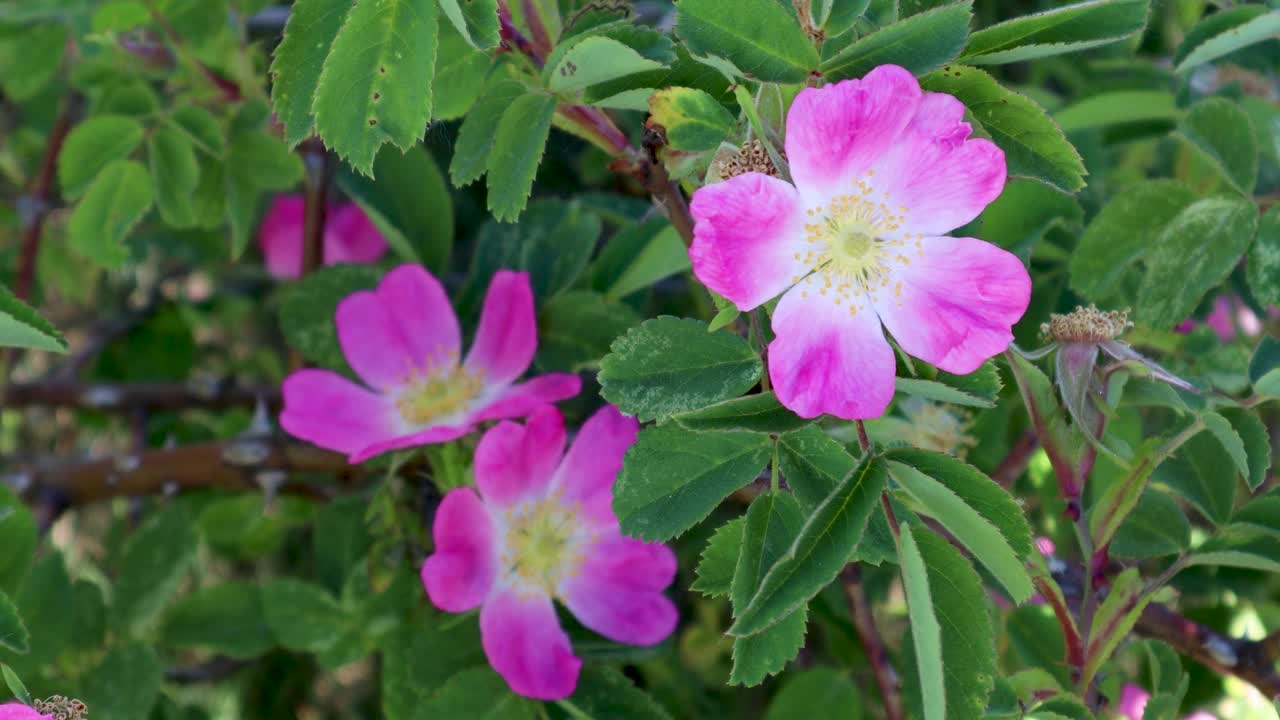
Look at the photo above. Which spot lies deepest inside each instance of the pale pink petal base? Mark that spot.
(957, 304)
(523, 398)
(748, 239)
(431, 435)
(618, 591)
(508, 332)
(524, 643)
(825, 360)
(514, 462)
(590, 467)
(461, 572)
(325, 408)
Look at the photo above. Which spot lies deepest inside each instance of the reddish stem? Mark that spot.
(35, 205)
(872, 644)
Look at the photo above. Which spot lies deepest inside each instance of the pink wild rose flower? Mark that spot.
(882, 171)
(1133, 703)
(18, 711)
(542, 527)
(349, 236)
(403, 341)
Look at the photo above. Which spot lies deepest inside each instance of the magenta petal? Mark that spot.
(836, 133)
(524, 643)
(508, 332)
(515, 462)
(827, 360)
(523, 398)
(418, 304)
(958, 302)
(429, 436)
(327, 409)
(18, 711)
(280, 236)
(351, 237)
(587, 474)
(1133, 702)
(617, 591)
(460, 574)
(748, 238)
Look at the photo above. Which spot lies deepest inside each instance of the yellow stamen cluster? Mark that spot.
(1086, 325)
(856, 241)
(437, 391)
(542, 545)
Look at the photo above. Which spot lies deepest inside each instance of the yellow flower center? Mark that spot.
(434, 394)
(543, 544)
(855, 241)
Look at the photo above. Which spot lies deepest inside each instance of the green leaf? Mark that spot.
(153, 563)
(552, 242)
(307, 309)
(1231, 442)
(475, 20)
(1123, 233)
(1034, 146)
(1225, 32)
(968, 653)
(813, 464)
(460, 74)
(256, 162)
(1250, 553)
(1196, 473)
(478, 693)
(773, 522)
(116, 201)
(920, 43)
(413, 668)
(576, 328)
(174, 174)
(637, 257)
(17, 541)
(669, 365)
(1113, 620)
(479, 128)
(409, 203)
(125, 685)
(46, 605)
(1193, 254)
(604, 692)
(1220, 130)
(926, 633)
(1257, 443)
(13, 633)
(1117, 108)
(518, 144)
(594, 60)
(760, 412)
(824, 545)
(226, 619)
(1025, 213)
(21, 326)
(1264, 368)
(977, 389)
(299, 59)
(375, 86)
(1070, 28)
(16, 687)
(672, 478)
(974, 531)
(30, 58)
(301, 615)
(1156, 526)
(1263, 267)
(719, 559)
(691, 119)
(813, 693)
(759, 37)
(93, 145)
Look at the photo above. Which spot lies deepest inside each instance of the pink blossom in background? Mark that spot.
(881, 171)
(1133, 702)
(540, 528)
(403, 341)
(349, 236)
(18, 711)
(1228, 312)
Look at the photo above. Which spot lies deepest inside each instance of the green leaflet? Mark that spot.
(575, 329)
(594, 60)
(303, 616)
(920, 43)
(1061, 30)
(478, 693)
(1113, 620)
(926, 634)
(120, 196)
(977, 389)
(13, 633)
(758, 37)
(810, 694)
(93, 145)
(475, 20)
(518, 144)
(227, 619)
(822, 548)
(760, 412)
(299, 60)
(1117, 108)
(175, 175)
(476, 136)
(375, 86)
(1220, 130)
(719, 559)
(1225, 32)
(1263, 267)
(692, 119)
(134, 666)
(22, 326)
(672, 478)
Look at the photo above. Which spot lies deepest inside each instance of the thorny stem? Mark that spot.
(872, 644)
(315, 201)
